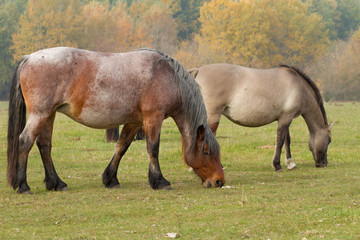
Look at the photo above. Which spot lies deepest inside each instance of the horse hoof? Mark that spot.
(117, 186)
(320, 165)
(279, 170)
(28, 192)
(63, 189)
(168, 188)
(290, 164)
(292, 167)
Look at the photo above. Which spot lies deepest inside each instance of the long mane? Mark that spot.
(192, 102)
(312, 84)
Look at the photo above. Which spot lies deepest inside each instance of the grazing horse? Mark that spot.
(105, 90)
(256, 97)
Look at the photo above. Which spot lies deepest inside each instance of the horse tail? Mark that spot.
(16, 123)
(194, 72)
(112, 134)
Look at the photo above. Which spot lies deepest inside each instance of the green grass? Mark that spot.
(307, 203)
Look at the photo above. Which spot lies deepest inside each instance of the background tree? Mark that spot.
(261, 33)
(106, 29)
(341, 17)
(350, 17)
(47, 24)
(186, 14)
(256, 33)
(338, 71)
(10, 12)
(189, 56)
(159, 26)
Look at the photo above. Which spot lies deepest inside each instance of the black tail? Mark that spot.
(16, 123)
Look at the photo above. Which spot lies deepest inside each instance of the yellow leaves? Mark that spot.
(216, 33)
(261, 33)
(46, 24)
(160, 27)
(356, 37)
(106, 29)
(94, 26)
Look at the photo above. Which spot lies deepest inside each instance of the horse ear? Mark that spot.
(201, 133)
(200, 140)
(213, 127)
(331, 126)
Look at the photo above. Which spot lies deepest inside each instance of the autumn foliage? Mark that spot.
(261, 33)
(338, 71)
(309, 34)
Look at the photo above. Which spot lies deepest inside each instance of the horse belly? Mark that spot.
(254, 118)
(102, 118)
(252, 113)
(103, 111)
(258, 108)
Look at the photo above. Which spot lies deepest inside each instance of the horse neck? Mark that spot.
(313, 117)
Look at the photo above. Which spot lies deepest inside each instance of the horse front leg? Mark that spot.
(109, 177)
(43, 142)
(152, 127)
(282, 131)
(288, 159)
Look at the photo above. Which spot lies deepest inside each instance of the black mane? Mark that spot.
(312, 84)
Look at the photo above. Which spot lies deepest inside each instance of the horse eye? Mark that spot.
(206, 153)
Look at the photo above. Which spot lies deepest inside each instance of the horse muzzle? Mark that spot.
(217, 183)
(321, 164)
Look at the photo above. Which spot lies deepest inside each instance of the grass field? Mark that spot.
(257, 203)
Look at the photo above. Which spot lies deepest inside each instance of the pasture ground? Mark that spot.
(256, 203)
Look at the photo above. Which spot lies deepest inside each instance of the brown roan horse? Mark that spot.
(105, 90)
(256, 97)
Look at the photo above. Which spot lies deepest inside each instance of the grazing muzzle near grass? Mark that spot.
(211, 177)
(318, 145)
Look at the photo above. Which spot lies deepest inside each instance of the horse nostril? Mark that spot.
(219, 183)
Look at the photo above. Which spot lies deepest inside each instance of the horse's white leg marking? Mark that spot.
(290, 163)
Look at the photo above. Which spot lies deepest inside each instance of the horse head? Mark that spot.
(318, 145)
(206, 159)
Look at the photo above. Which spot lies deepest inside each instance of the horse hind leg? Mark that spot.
(26, 141)
(288, 159)
(109, 177)
(112, 134)
(43, 142)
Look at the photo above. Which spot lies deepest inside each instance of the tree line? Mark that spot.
(320, 36)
